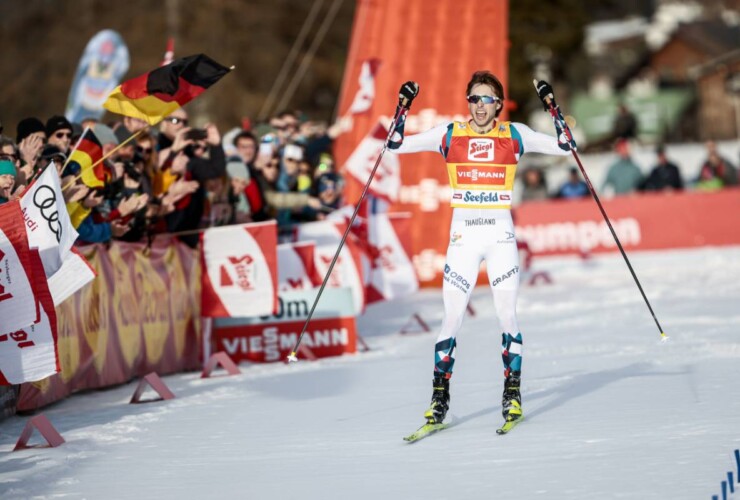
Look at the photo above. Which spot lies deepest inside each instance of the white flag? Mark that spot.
(391, 273)
(347, 270)
(365, 95)
(30, 354)
(47, 221)
(387, 181)
(297, 266)
(18, 308)
(75, 273)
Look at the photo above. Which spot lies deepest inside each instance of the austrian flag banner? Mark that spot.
(239, 271)
(30, 354)
(297, 267)
(18, 307)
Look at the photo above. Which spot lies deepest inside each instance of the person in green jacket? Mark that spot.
(624, 175)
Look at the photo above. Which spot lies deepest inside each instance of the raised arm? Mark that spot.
(431, 140)
(537, 142)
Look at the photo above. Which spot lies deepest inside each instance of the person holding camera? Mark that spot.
(196, 155)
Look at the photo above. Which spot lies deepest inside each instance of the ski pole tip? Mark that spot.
(663, 337)
(292, 358)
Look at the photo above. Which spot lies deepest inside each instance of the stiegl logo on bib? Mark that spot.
(480, 150)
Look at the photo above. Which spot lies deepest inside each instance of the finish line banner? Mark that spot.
(331, 332)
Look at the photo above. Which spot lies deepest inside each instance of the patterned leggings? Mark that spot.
(477, 235)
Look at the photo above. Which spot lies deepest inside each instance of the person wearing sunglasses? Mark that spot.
(481, 156)
(170, 126)
(59, 133)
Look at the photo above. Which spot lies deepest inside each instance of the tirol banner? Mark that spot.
(375, 70)
(140, 314)
(104, 62)
(331, 332)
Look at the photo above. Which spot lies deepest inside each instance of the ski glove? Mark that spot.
(407, 93)
(565, 137)
(544, 90)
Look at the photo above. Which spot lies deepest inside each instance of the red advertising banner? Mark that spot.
(140, 314)
(439, 45)
(331, 331)
(650, 221)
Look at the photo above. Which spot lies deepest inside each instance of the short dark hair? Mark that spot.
(246, 134)
(487, 78)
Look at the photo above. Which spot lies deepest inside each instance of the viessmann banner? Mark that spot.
(476, 37)
(331, 332)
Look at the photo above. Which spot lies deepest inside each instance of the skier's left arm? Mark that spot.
(536, 142)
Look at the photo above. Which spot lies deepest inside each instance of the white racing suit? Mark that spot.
(481, 168)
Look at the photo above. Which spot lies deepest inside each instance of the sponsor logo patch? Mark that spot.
(480, 149)
(472, 197)
(512, 272)
(485, 176)
(455, 279)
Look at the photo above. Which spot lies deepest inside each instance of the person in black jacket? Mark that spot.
(665, 175)
(205, 160)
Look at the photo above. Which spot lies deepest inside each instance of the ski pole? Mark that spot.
(549, 101)
(403, 107)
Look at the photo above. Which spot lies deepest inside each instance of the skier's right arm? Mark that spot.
(431, 140)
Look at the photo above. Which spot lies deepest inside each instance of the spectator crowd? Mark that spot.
(175, 178)
(625, 176)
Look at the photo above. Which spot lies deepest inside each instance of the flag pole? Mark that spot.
(77, 145)
(105, 157)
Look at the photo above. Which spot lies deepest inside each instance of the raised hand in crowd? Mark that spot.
(93, 200)
(118, 228)
(30, 149)
(339, 127)
(179, 189)
(213, 136)
(181, 141)
(75, 192)
(132, 204)
(314, 203)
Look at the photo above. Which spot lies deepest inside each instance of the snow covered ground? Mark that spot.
(610, 411)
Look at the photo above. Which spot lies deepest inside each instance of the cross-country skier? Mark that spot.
(481, 155)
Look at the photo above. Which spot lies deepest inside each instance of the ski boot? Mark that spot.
(440, 401)
(511, 402)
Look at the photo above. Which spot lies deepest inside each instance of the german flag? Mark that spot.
(156, 94)
(87, 153)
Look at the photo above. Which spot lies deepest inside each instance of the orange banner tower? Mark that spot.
(438, 44)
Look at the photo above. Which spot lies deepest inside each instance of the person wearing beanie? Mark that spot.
(29, 127)
(59, 132)
(7, 180)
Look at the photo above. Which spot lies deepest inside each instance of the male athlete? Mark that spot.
(481, 155)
